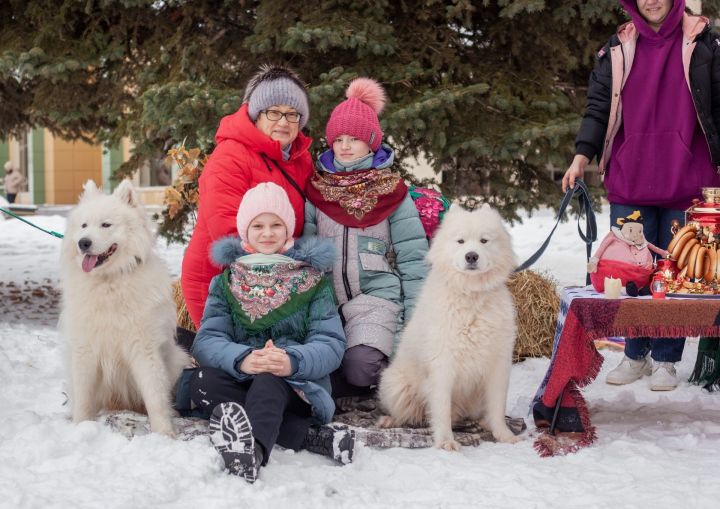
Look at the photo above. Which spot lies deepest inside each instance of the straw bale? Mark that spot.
(537, 303)
(183, 318)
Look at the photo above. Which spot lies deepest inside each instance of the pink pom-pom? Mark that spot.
(368, 91)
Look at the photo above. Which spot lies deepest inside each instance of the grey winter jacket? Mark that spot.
(377, 274)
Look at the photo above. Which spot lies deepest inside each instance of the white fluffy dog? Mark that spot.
(454, 357)
(118, 315)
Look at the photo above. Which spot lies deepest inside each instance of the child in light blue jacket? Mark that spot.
(269, 338)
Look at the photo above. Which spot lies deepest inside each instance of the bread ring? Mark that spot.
(680, 244)
(682, 274)
(700, 262)
(690, 261)
(683, 258)
(692, 257)
(674, 243)
(690, 227)
(711, 266)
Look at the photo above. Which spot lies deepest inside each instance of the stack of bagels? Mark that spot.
(696, 258)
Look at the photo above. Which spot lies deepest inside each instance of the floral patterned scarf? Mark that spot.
(358, 198)
(262, 294)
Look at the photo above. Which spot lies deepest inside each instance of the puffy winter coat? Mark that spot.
(243, 158)
(312, 335)
(377, 274)
(603, 112)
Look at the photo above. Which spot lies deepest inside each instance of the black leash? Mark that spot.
(589, 236)
(49, 232)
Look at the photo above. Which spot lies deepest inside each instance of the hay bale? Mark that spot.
(537, 303)
(183, 318)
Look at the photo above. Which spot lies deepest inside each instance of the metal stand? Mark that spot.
(553, 423)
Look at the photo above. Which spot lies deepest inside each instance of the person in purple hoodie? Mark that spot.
(652, 119)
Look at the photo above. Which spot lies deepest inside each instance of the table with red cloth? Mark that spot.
(586, 316)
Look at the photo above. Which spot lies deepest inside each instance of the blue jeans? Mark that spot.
(657, 221)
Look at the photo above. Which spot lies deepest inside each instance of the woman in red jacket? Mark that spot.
(261, 142)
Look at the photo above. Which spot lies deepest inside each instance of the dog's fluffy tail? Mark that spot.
(400, 397)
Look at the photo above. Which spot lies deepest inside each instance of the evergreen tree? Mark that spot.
(490, 91)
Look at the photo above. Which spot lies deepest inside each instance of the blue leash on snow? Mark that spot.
(589, 236)
(49, 232)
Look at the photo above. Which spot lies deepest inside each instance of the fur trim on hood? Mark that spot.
(319, 252)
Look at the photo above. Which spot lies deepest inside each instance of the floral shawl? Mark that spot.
(262, 294)
(358, 198)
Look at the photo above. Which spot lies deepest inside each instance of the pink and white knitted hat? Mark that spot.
(265, 197)
(358, 115)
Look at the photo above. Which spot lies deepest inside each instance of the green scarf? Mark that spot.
(707, 365)
(265, 292)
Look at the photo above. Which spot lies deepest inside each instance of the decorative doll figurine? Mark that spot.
(625, 254)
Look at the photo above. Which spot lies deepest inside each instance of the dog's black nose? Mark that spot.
(471, 257)
(85, 243)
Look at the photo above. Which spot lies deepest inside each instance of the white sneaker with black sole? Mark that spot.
(231, 434)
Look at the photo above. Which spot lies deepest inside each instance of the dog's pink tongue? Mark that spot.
(89, 262)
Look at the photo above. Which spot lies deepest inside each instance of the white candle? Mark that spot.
(612, 288)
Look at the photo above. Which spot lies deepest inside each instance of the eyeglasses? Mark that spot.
(275, 115)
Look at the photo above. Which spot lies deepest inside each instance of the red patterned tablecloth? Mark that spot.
(584, 317)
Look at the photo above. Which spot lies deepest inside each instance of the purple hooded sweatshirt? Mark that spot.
(660, 156)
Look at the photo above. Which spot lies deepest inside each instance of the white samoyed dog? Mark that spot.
(455, 354)
(118, 315)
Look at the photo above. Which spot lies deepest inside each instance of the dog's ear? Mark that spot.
(454, 209)
(488, 211)
(126, 192)
(89, 189)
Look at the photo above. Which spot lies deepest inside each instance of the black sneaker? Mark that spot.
(231, 434)
(335, 441)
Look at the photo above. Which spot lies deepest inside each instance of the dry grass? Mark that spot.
(183, 318)
(537, 303)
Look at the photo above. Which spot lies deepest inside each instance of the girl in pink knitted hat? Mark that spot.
(357, 199)
(269, 338)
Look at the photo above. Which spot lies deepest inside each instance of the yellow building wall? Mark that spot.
(68, 165)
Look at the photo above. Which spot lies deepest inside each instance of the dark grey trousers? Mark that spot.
(359, 372)
(276, 413)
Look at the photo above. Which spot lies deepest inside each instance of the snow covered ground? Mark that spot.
(653, 450)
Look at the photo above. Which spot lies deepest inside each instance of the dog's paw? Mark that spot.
(387, 421)
(448, 445)
(507, 437)
(169, 434)
(79, 417)
(164, 428)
